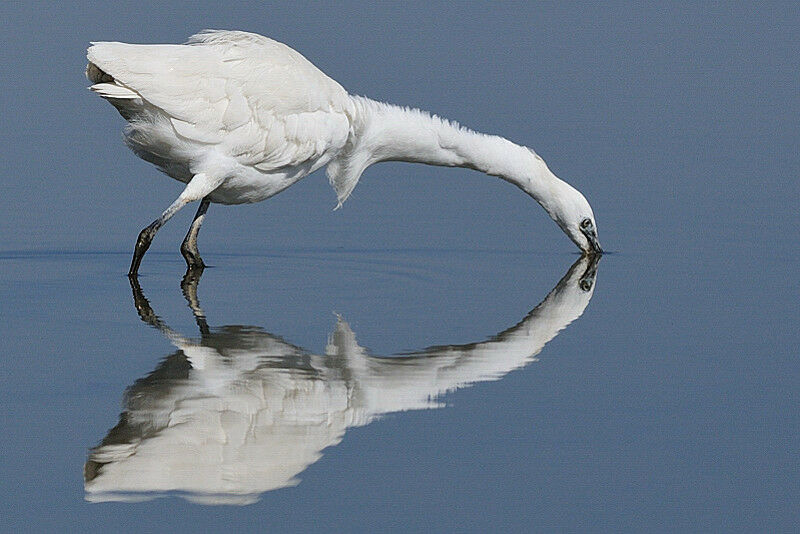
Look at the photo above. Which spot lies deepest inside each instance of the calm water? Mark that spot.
(669, 397)
(293, 387)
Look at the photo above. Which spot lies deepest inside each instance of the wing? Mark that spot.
(257, 99)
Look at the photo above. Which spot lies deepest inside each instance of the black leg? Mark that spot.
(189, 246)
(147, 234)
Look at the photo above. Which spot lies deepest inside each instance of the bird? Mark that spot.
(239, 411)
(239, 117)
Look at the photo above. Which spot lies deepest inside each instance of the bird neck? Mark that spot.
(385, 132)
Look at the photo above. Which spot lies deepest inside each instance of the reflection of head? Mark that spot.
(241, 412)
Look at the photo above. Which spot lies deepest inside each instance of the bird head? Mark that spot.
(573, 214)
(576, 219)
(565, 205)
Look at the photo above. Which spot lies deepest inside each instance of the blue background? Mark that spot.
(671, 404)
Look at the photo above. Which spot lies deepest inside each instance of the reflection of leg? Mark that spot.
(142, 305)
(189, 288)
(189, 245)
(148, 316)
(147, 234)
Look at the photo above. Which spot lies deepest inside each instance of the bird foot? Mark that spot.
(194, 262)
(192, 256)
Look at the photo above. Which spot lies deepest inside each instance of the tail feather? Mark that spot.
(109, 56)
(104, 83)
(129, 71)
(112, 90)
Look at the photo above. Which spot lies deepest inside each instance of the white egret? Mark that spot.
(239, 117)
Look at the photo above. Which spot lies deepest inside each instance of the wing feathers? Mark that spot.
(257, 99)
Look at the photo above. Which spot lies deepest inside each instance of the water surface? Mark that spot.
(272, 393)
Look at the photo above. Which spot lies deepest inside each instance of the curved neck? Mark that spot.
(385, 132)
(403, 134)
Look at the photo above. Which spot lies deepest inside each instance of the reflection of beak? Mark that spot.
(587, 278)
(591, 236)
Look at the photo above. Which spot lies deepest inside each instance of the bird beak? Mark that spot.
(591, 236)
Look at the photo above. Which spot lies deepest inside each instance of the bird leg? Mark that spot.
(147, 234)
(189, 246)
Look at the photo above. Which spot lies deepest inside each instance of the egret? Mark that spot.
(239, 117)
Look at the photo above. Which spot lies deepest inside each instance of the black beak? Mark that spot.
(591, 236)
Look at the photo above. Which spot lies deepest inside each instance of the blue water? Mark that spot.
(670, 400)
(426, 358)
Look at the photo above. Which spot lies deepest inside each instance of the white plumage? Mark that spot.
(227, 99)
(239, 117)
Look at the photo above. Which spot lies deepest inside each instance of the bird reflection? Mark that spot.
(238, 411)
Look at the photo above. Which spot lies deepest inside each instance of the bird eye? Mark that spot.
(586, 223)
